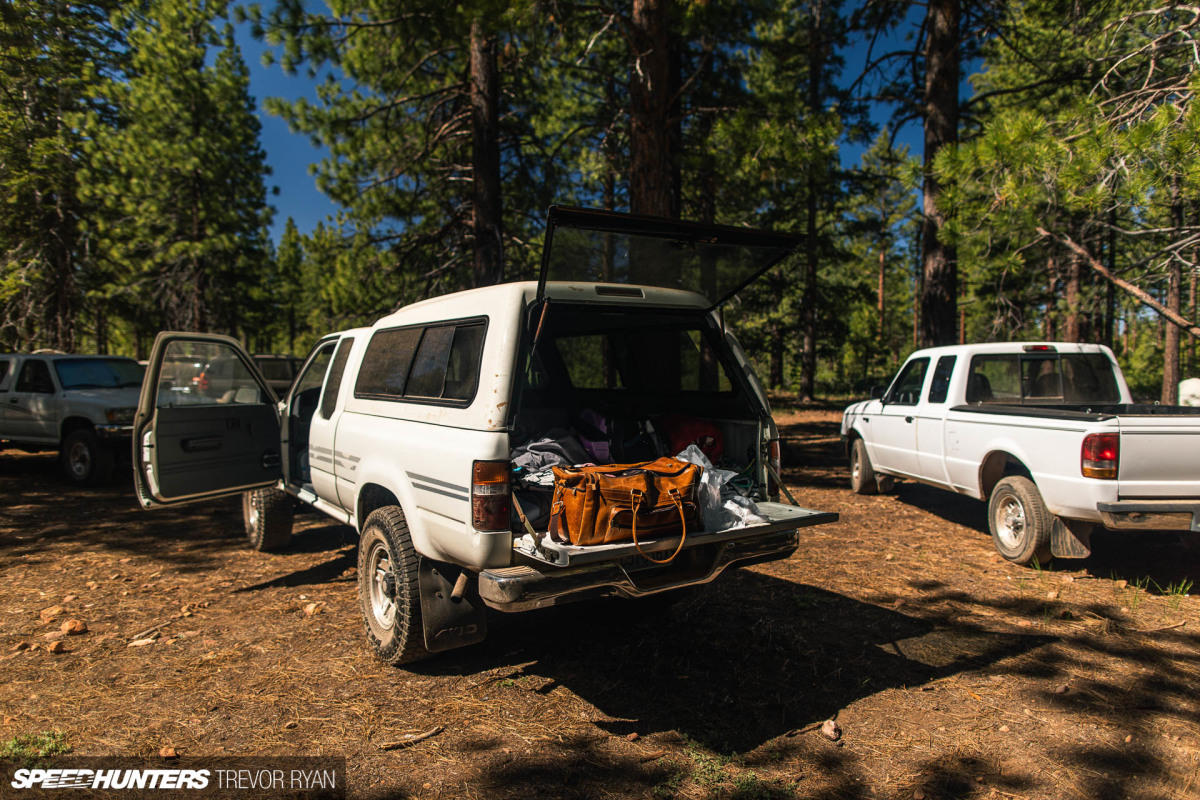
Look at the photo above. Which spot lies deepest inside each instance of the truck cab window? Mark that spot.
(939, 387)
(906, 390)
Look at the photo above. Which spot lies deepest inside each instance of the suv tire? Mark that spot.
(267, 515)
(388, 588)
(83, 461)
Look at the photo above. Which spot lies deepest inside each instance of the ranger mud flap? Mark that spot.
(1070, 538)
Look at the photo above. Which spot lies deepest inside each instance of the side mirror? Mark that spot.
(877, 391)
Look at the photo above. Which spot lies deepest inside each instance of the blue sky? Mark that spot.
(290, 154)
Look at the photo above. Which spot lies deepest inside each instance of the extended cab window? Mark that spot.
(333, 385)
(437, 362)
(906, 390)
(939, 387)
(5, 374)
(35, 378)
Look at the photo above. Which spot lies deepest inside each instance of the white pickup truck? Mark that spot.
(433, 430)
(1045, 432)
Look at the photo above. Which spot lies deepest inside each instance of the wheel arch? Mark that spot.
(373, 496)
(72, 424)
(996, 466)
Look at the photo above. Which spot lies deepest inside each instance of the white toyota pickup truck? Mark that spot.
(434, 432)
(1045, 432)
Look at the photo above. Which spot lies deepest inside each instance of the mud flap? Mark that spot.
(1071, 538)
(449, 622)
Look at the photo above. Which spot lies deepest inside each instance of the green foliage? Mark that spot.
(51, 57)
(179, 180)
(32, 747)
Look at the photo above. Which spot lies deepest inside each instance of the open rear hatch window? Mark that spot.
(715, 261)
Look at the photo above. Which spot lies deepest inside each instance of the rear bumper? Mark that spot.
(1153, 515)
(523, 588)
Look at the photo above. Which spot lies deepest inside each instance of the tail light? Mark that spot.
(1101, 455)
(202, 382)
(489, 495)
(776, 468)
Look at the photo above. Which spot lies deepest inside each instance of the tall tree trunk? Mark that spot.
(939, 293)
(651, 168)
(816, 66)
(1073, 326)
(776, 344)
(882, 274)
(485, 159)
(1170, 385)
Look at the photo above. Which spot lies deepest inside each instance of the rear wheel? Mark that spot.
(862, 474)
(83, 461)
(267, 515)
(388, 588)
(1019, 521)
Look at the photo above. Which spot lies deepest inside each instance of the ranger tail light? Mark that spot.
(775, 463)
(489, 495)
(1101, 455)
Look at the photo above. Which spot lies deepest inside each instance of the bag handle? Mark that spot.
(637, 501)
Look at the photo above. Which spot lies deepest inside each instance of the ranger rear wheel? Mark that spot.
(1019, 521)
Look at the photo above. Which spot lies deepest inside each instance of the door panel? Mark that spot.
(207, 423)
(31, 405)
(893, 428)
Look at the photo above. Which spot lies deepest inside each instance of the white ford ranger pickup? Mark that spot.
(1045, 432)
(410, 430)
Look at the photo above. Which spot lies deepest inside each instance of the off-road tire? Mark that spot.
(1019, 521)
(83, 460)
(862, 474)
(388, 588)
(267, 515)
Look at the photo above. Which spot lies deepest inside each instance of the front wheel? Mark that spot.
(1019, 521)
(83, 461)
(388, 588)
(862, 474)
(268, 515)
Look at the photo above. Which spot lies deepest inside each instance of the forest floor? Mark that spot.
(951, 673)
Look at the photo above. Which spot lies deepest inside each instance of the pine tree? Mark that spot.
(51, 54)
(182, 175)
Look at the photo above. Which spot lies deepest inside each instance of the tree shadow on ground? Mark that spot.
(750, 660)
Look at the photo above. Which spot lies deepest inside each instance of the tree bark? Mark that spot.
(651, 157)
(1170, 385)
(939, 292)
(488, 265)
(1073, 327)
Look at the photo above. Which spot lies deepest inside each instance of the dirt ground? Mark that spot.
(952, 673)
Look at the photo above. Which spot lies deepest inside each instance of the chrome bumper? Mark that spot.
(1151, 515)
(522, 588)
(110, 433)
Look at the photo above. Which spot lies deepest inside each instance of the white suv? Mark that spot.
(83, 406)
(419, 430)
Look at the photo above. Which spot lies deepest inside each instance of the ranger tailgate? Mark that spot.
(1160, 457)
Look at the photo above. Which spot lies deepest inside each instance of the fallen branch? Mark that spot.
(1141, 295)
(1164, 628)
(420, 737)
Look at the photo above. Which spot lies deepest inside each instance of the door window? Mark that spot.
(333, 386)
(205, 373)
(906, 390)
(35, 378)
(939, 387)
(5, 374)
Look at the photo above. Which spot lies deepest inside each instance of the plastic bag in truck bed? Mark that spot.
(721, 507)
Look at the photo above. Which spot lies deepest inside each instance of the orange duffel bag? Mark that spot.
(623, 502)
